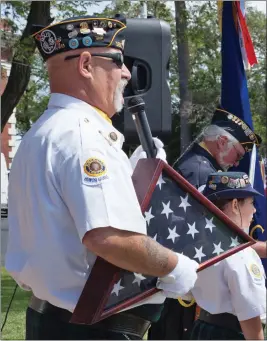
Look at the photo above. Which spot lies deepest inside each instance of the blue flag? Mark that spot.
(235, 99)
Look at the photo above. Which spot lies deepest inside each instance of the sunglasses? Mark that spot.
(117, 58)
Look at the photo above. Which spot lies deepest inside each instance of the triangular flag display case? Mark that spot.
(178, 217)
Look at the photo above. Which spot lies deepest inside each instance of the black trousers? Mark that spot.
(47, 327)
(175, 323)
(206, 331)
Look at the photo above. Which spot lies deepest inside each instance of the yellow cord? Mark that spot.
(186, 305)
(255, 228)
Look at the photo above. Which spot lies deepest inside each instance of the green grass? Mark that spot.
(14, 328)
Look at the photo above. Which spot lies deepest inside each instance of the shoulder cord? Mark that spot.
(184, 304)
(254, 228)
(196, 140)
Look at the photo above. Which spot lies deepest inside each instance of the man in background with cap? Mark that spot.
(71, 196)
(222, 145)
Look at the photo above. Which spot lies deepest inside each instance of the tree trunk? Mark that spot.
(185, 108)
(21, 69)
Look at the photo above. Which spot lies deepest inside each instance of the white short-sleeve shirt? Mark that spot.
(68, 176)
(236, 285)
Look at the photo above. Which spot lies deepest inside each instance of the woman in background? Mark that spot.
(231, 293)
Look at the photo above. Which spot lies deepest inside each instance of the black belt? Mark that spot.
(224, 320)
(125, 323)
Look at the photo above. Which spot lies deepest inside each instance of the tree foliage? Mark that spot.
(204, 40)
(25, 14)
(22, 59)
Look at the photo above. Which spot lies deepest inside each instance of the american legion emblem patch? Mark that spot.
(95, 171)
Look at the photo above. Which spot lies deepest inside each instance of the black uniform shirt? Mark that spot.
(196, 165)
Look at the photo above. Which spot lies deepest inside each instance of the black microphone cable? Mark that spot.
(9, 306)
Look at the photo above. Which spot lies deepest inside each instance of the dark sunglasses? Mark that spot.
(117, 58)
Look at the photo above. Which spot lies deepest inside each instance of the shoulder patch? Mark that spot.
(95, 171)
(255, 270)
(256, 273)
(94, 167)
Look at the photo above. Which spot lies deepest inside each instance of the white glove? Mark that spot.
(201, 188)
(182, 278)
(139, 153)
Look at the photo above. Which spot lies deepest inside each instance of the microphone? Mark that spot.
(136, 107)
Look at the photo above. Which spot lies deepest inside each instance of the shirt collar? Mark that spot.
(101, 113)
(203, 145)
(202, 151)
(68, 102)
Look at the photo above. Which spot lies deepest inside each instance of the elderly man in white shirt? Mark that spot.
(71, 197)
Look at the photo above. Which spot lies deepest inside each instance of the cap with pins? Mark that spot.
(236, 127)
(79, 32)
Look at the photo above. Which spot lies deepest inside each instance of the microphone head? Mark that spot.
(136, 104)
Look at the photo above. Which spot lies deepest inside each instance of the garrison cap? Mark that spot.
(236, 127)
(79, 32)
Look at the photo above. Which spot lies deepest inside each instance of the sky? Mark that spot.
(260, 5)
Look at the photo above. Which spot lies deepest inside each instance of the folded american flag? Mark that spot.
(178, 221)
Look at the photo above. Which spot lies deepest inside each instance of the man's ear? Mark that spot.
(222, 142)
(85, 64)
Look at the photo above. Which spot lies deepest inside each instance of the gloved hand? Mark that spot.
(181, 280)
(139, 153)
(201, 188)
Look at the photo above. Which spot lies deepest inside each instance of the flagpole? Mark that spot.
(252, 167)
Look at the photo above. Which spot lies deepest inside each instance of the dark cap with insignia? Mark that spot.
(236, 127)
(228, 185)
(79, 32)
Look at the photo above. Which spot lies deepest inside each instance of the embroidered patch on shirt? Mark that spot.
(255, 270)
(95, 171)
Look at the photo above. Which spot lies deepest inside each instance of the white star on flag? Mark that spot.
(138, 278)
(199, 254)
(217, 249)
(166, 209)
(184, 202)
(209, 224)
(155, 237)
(160, 181)
(234, 241)
(192, 229)
(148, 216)
(173, 234)
(117, 287)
